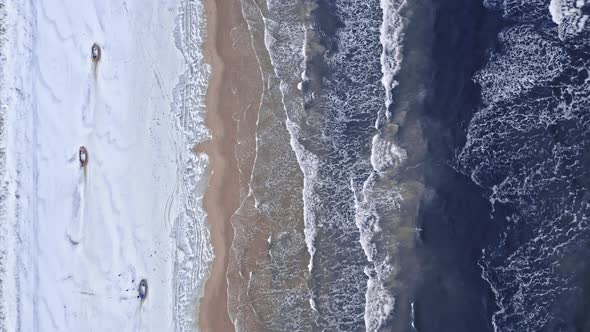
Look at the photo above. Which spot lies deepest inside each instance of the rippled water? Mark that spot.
(329, 67)
(528, 145)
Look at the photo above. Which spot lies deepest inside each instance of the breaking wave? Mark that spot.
(334, 65)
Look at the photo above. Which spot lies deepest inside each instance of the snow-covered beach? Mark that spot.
(76, 243)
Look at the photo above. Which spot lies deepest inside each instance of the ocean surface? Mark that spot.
(527, 146)
(442, 152)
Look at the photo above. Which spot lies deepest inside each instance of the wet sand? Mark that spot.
(268, 269)
(233, 86)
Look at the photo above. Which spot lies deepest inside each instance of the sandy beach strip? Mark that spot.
(230, 88)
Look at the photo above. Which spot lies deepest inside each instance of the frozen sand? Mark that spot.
(83, 243)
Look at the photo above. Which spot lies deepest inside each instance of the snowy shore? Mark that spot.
(77, 243)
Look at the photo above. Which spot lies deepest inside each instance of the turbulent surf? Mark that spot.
(528, 146)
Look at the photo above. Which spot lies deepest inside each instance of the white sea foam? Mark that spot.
(86, 238)
(386, 154)
(284, 40)
(413, 315)
(555, 10)
(571, 21)
(528, 153)
(392, 32)
(309, 164)
(287, 60)
(497, 296)
(380, 301)
(540, 61)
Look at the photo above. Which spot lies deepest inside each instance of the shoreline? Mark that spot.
(228, 94)
(213, 314)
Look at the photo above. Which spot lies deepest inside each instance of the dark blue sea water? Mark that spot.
(444, 148)
(343, 99)
(527, 147)
(434, 237)
(456, 222)
(503, 214)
